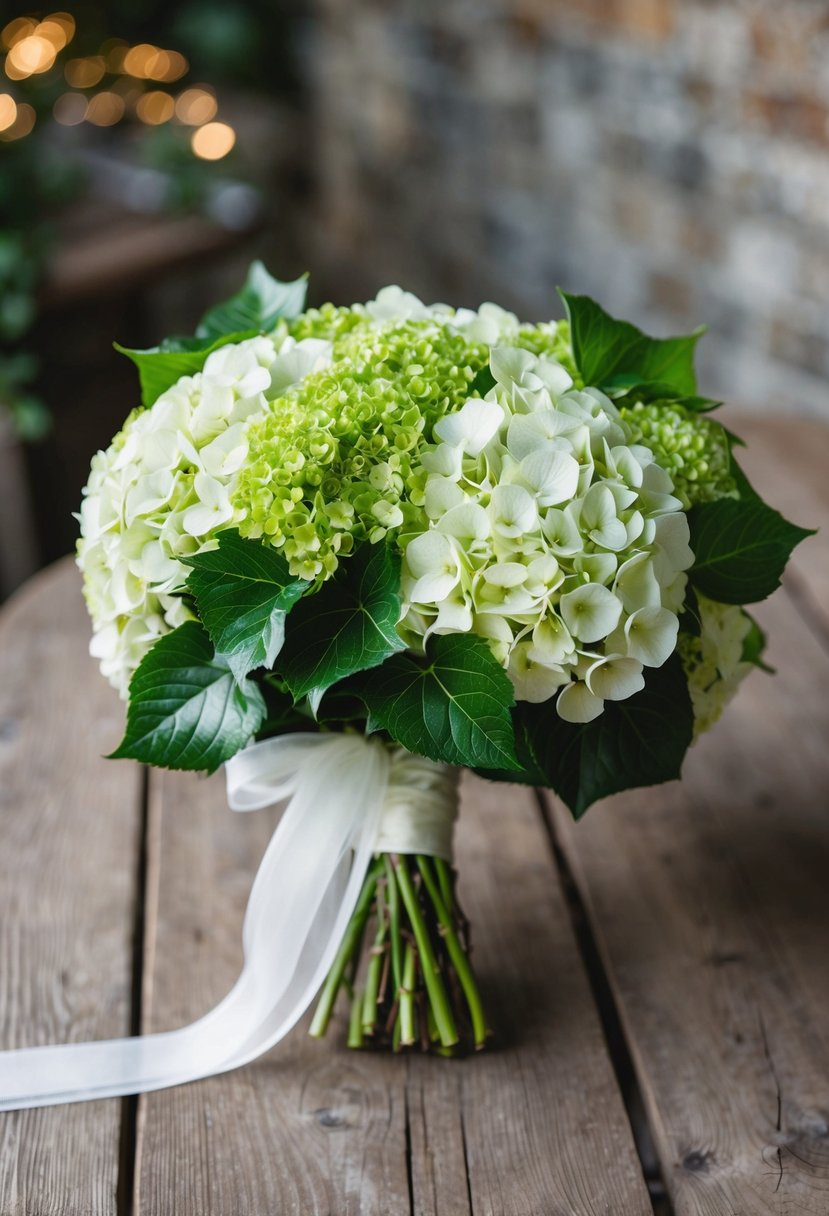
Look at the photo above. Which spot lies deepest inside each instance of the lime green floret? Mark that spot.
(334, 460)
(550, 339)
(330, 322)
(692, 448)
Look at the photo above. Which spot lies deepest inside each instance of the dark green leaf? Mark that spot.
(243, 592)
(159, 367)
(348, 625)
(745, 489)
(453, 706)
(605, 349)
(483, 382)
(186, 709)
(637, 742)
(258, 306)
(740, 549)
(654, 390)
(754, 645)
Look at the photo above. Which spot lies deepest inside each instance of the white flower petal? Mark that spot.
(441, 495)
(590, 612)
(637, 585)
(615, 678)
(533, 681)
(551, 474)
(512, 510)
(431, 552)
(472, 427)
(651, 635)
(576, 703)
(468, 521)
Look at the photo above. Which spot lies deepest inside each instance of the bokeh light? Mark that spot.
(70, 109)
(105, 109)
(213, 141)
(8, 111)
(155, 107)
(21, 27)
(30, 56)
(85, 73)
(24, 120)
(196, 106)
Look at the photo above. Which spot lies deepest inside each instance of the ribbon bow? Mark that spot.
(347, 797)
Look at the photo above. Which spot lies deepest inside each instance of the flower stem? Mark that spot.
(456, 952)
(406, 1021)
(349, 949)
(375, 966)
(428, 962)
(404, 965)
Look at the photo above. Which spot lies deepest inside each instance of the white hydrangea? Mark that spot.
(552, 536)
(162, 490)
(713, 661)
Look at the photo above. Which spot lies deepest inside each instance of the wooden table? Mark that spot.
(658, 975)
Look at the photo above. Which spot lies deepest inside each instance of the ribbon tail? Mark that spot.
(300, 905)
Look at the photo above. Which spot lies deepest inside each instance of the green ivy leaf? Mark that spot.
(606, 349)
(186, 710)
(637, 742)
(258, 306)
(159, 367)
(740, 549)
(453, 706)
(243, 591)
(349, 625)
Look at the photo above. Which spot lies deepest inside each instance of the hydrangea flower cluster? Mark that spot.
(693, 449)
(331, 467)
(161, 492)
(713, 659)
(529, 509)
(551, 535)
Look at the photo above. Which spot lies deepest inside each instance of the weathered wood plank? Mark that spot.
(710, 903)
(70, 832)
(537, 1126)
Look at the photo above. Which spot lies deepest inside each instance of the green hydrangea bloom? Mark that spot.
(332, 463)
(550, 339)
(330, 323)
(693, 449)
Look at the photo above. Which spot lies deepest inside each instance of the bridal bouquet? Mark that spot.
(348, 552)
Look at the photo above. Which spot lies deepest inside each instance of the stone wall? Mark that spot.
(670, 157)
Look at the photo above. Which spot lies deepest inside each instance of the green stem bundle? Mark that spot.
(404, 963)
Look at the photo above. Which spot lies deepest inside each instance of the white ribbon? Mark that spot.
(348, 797)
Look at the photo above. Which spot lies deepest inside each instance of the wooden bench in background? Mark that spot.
(658, 975)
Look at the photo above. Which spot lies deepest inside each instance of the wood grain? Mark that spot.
(537, 1126)
(70, 823)
(710, 904)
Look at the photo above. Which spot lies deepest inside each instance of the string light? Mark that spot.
(24, 120)
(155, 107)
(213, 141)
(196, 106)
(70, 109)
